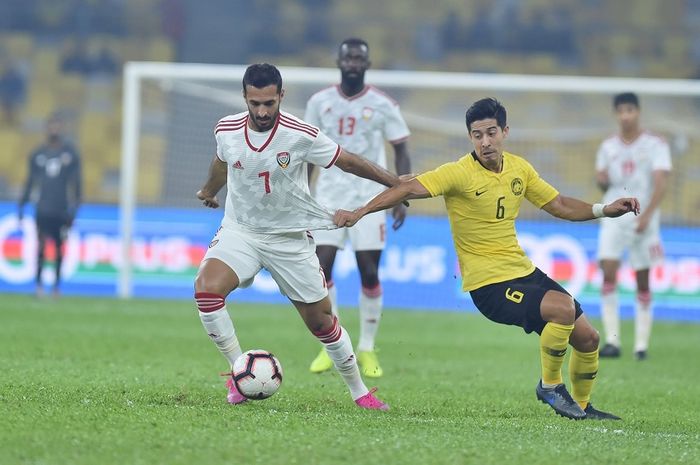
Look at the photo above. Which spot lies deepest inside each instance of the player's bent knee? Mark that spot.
(591, 343)
(558, 307)
(212, 285)
(569, 310)
(565, 314)
(586, 342)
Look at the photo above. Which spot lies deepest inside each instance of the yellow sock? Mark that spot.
(583, 369)
(553, 342)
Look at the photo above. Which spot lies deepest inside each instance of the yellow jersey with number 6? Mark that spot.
(482, 207)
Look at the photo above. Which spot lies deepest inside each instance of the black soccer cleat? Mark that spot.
(593, 414)
(640, 355)
(560, 400)
(609, 351)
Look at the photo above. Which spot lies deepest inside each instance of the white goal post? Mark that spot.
(170, 74)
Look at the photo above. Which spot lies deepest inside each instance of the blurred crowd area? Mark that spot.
(66, 57)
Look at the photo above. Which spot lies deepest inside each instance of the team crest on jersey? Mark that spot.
(367, 113)
(283, 159)
(516, 186)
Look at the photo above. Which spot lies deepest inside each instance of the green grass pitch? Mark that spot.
(93, 381)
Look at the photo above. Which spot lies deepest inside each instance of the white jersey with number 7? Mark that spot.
(267, 183)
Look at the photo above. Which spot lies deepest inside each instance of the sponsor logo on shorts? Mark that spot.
(213, 243)
(283, 159)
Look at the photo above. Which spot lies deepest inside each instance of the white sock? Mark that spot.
(218, 325)
(611, 316)
(643, 318)
(339, 348)
(371, 303)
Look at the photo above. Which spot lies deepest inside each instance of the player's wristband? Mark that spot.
(598, 210)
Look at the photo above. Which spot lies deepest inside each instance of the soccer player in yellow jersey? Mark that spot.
(483, 192)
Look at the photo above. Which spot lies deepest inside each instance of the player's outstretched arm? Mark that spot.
(408, 188)
(569, 208)
(215, 181)
(360, 166)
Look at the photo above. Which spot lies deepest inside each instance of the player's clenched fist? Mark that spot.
(344, 218)
(207, 200)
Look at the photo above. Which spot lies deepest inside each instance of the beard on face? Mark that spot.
(263, 124)
(353, 77)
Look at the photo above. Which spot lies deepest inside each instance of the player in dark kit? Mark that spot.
(54, 168)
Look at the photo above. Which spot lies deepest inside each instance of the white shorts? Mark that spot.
(289, 257)
(616, 236)
(367, 234)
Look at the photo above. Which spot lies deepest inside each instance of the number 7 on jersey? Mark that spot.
(266, 176)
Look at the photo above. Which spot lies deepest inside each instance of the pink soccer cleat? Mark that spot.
(234, 397)
(370, 402)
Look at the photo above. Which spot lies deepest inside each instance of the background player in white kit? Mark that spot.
(633, 163)
(360, 118)
(262, 156)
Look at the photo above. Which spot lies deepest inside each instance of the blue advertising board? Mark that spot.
(418, 270)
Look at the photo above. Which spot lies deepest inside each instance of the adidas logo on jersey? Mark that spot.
(238, 165)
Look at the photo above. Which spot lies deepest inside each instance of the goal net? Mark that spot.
(556, 122)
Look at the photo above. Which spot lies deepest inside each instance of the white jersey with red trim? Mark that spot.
(360, 124)
(267, 181)
(630, 166)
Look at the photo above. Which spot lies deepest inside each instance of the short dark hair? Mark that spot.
(353, 42)
(484, 109)
(262, 75)
(626, 97)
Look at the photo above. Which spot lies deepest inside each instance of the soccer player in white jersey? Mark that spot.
(361, 118)
(630, 163)
(262, 156)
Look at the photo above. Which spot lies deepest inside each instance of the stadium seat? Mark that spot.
(41, 102)
(18, 45)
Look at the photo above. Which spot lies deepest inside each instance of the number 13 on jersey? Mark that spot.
(346, 126)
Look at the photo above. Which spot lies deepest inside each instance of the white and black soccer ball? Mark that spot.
(257, 374)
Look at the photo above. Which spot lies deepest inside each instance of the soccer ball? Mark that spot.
(257, 374)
